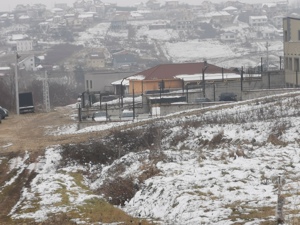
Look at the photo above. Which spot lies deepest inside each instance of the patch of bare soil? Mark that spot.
(28, 132)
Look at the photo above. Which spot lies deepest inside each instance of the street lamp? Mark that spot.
(203, 77)
(16, 83)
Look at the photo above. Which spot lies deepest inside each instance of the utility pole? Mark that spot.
(133, 106)
(17, 84)
(242, 78)
(46, 96)
(267, 46)
(203, 78)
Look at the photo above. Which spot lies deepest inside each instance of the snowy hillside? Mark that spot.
(217, 165)
(178, 47)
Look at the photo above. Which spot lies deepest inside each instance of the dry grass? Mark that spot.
(250, 214)
(275, 140)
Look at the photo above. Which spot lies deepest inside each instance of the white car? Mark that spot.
(126, 115)
(100, 116)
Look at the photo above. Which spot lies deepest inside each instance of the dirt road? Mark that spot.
(28, 132)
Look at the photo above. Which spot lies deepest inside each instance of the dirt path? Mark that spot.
(27, 132)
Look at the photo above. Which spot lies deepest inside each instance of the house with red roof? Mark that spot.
(177, 76)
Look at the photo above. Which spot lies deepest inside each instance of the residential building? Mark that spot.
(95, 60)
(228, 37)
(219, 16)
(176, 76)
(30, 63)
(99, 81)
(291, 48)
(186, 21)
(172, 4)
(63, 6)
(123, 60)
(119, 22)
(231, 10)
(277, 21)
(24, 45)
(153, 4)
(256, 21)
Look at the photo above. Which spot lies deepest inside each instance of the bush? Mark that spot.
(119, 190)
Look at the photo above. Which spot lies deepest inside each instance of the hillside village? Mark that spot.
(213, 137)
(134, 32)
(131, 38)
(97, 43)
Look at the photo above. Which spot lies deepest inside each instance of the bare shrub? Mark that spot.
(118, 190)
(180, 137)
(152, 137)
(275, 140)
(217, 139)
(95, 152)
(240, 153)
(280, 128)
(149, 170)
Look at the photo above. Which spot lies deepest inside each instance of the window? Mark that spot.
(298, 35)
(87, 84)
(290, 64)
(296, 64)
(285, 36)
(91, 84)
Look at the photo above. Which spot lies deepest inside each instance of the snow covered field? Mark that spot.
(218, 167)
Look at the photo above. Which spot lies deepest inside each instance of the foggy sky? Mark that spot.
(8, 5)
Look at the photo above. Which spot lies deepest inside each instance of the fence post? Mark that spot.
(280, 202)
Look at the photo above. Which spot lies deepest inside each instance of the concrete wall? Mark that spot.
(101, 81)
(214, 90)
(168, 109)
(266, 92)
(273, 79)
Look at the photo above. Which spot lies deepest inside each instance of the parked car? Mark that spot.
(100, 116)
(201, 100)
(126, 115)
(6, 111)
(2, 113)
(229, 96)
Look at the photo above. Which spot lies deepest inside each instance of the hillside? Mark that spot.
(216, 165)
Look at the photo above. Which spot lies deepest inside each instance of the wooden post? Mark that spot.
(280, 202)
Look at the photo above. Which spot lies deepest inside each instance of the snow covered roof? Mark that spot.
(125, 81)
(17, 37)
(136, 14)
(229, 8)
(269, 4)
(4, 15)
(4, 68)
(70, 15)
(215, 76)
(258, 17)
(57, 10)
(218, 13)
(86, 15)
(23, 17)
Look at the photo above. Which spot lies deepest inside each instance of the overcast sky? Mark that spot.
(6, 5)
